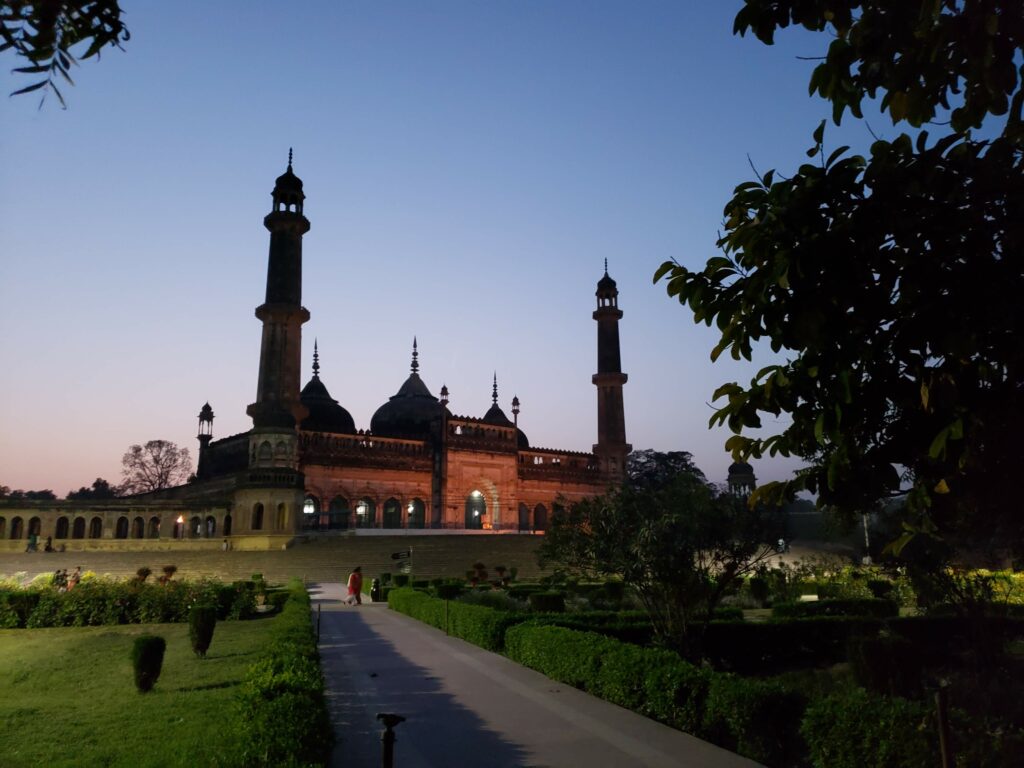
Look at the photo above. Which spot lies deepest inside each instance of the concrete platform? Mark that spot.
(465, 706)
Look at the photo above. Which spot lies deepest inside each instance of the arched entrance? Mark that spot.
(17, 528)
(366, 514)
(337, 517)
(3, 527)
(78, 528)
(96, 528)
(392, 513)
(257, 516)
(211, 526)
(154, 527)
(61, 531)
(227, 525)
(35, 525)
(121, 531)
(138, 528)
(415, 513)
(282, 517)
(311, 513)
(524, 517)
(476, 510)
(540, 518)
(195, 527)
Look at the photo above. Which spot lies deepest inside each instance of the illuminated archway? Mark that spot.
(476, 510)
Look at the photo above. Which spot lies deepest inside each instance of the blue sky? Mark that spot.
(468, 167)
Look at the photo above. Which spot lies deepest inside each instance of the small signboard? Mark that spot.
(405, 554)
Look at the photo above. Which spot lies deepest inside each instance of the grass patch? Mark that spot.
(67, 697)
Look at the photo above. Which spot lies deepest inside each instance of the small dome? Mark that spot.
(325, 414)
(206, 413)
(740, 468)
(497, 417)
(288, 182)
(606, 285)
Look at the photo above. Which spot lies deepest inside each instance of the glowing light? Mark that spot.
(180, 520)
(476, 494)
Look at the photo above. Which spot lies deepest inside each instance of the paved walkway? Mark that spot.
(468, 707)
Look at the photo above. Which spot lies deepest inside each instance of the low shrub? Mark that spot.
(547, 602)
(202, 620)
(854, 728)
(281, 702)
(147, 661)
(873, 607)
(756, 718)
(475, 624)
(886, 664)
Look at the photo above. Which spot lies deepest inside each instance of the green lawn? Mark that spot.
(67, 697)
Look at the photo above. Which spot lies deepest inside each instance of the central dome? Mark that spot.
(325, 414)
(411, 412)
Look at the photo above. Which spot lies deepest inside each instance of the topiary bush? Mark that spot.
(147, 661)
(202, 620)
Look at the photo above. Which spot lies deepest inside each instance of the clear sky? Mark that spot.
(468, 167)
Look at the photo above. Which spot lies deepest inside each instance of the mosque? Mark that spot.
(305, 467)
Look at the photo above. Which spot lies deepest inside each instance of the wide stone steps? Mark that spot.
(328, 558)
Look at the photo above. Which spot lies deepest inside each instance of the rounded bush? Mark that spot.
(202, 620)
(547, 602)
(147, 660)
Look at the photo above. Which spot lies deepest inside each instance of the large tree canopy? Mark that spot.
(154, 466)
(891, 284)
(675, 539)
(47, 34)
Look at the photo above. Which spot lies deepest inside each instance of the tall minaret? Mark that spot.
(277, 393)
(269, 501)
(611, 448)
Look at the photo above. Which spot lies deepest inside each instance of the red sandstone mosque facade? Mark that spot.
(304, 466)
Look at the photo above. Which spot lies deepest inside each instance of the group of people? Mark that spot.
(33, 544)
(63, 582)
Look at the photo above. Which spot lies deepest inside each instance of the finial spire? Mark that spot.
(290, 164)
(494, 391)
(316, 360)
(415, 363)
(605, 261)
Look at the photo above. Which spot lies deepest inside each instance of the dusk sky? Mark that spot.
(468, 167)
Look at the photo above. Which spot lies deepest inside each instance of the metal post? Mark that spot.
(318, 606)
(945, 739)
(387, 738)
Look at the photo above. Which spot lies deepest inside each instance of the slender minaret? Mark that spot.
(269, 500)
(277, 393)
(205, 436)
(611, 448)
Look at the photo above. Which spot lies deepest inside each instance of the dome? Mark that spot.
(606, 284)
(412, 411)
(497, 417)
(740, 468)
(409, 413)
(325, 414)
(288, 182)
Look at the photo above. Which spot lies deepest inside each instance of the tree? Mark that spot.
(157, 465)
(19, 494)
(679, 543)
(891, 282)
(45, 32)
(100, 489)
(649, 469)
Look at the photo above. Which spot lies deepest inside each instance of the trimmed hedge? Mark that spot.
(841, 734)
(281, 703)
(473, 623)
(99, 602)
(873, 607)
(755, 718)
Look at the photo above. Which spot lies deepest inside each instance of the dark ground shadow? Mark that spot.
(366, 674)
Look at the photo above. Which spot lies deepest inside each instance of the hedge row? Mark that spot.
(758, 719)
(281, 703)
(99, 602)
(473, 623)
(872, 607)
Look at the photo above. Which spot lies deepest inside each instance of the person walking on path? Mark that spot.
(355, 586)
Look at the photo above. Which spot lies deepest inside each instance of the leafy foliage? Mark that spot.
(154, 466)
(45, 33)
(682, 546)
(19, 495)
(651, 469)
(100, 489)
(891, 282)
